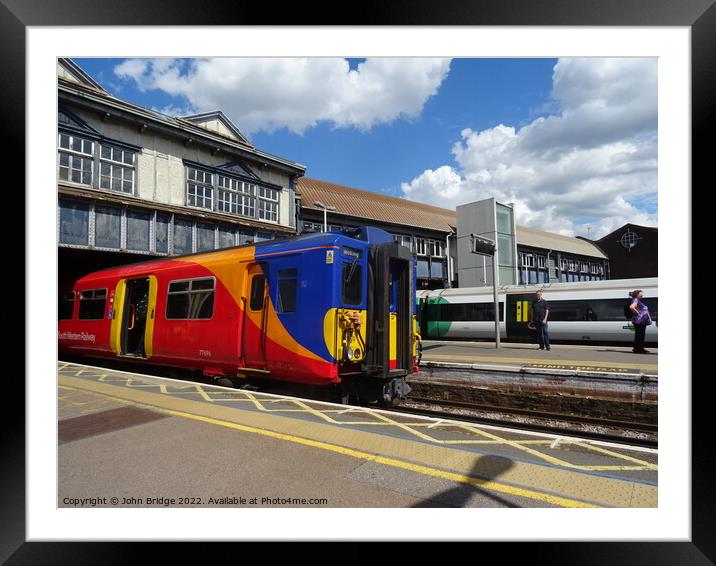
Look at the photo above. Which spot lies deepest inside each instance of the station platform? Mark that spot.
(524, 357)
(131, 440)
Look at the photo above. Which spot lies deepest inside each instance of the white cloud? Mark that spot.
(589, 164)
(296, 93)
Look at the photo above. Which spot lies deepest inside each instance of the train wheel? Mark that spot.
(224, 382)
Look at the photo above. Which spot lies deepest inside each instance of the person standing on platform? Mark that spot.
(540, 314)
(640, 319)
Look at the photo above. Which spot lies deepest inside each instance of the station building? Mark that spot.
(430, 233)
(134, 183)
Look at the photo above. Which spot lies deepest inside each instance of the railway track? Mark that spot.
(633, 433)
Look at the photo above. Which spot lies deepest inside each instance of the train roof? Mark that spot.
(626, 284)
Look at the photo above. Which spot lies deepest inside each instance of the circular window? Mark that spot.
(629, 239)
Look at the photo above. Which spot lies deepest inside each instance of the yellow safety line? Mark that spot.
(525, 361)
(425, 470)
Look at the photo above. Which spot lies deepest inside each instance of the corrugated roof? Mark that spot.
(374, 206)
(383, 208)
(547, 240)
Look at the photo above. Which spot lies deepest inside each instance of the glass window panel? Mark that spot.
(202, 305)
(352, 284)
(423, 268)
(505, 250)
(138, 230)
(107, 227)
(202, 284)
(256, 302)
(74, 222)
(226, 238)
(506, 275)
(287, 295)
(177, 305)
(437, 269)
(182, 237)
(176, 286)
(504, 219)
(162, 233)
(205, 238)
(87, 172)
(92, 304)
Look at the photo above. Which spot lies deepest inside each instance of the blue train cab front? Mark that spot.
(346, 298)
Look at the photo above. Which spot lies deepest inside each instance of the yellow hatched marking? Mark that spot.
(600, 449)
(314, 412)
(255, 401)
(406, 428)
(485, 438)
(537, 453)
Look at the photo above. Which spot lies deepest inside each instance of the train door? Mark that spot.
(390, 307)
(136, 323)
(253, 331)
(519, 313)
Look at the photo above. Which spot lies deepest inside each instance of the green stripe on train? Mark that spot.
(436, 328)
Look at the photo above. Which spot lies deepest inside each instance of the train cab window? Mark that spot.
(92, 302)
(287, 279)
(191, 299)
(256, 302)
(66, 306)
(352, 283)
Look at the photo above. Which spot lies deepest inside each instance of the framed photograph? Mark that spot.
(36, 36)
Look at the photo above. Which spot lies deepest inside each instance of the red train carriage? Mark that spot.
(329, 309)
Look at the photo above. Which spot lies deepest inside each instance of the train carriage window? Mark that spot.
(191, 299)
(92, 303)
(567, 311)
(287, 279)
(352, 283)
(467, 312)
(256, 302)
(66, 306)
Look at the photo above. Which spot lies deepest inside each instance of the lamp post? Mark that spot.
(326, 208)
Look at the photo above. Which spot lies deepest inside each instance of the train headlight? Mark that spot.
(349, 354)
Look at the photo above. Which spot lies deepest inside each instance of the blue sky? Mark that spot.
(538, 132)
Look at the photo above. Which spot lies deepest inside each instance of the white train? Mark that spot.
(588, 311)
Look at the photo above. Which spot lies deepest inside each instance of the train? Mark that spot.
(332, 309)
(580, 312)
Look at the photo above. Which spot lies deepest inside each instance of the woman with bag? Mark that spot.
(640, 319)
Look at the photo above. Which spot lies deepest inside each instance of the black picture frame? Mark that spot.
(699, 15)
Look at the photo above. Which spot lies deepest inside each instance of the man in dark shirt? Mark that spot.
(540, 314)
